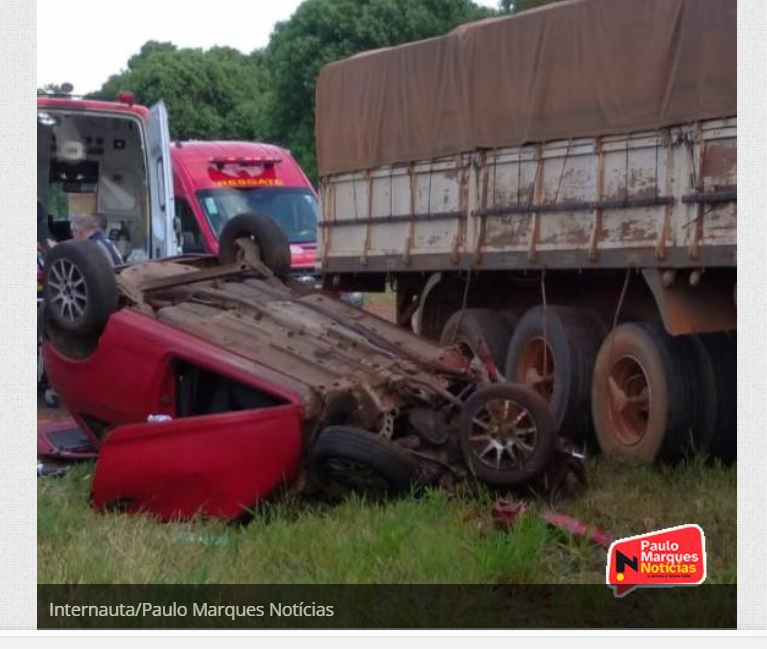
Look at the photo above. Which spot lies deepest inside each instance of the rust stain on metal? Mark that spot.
(369, 225)
(463, 202)
(596, 232)
(535, 229)
(484, 172)
(721, 162)
(699, 185)
(635, 230)
(664, 231)
(410, 234)
(688, 309)
(512, 230)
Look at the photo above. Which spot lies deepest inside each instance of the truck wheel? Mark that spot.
(270, 239)
(362, 460)
(473, 325)
(704, 397)
(507, 433)
(554, 354)
(722, 350)
(511, 317)
(641, 394)
(80, 289)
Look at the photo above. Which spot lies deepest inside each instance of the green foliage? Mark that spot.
(426, 538)
(213, 94)
(321, 31)
(518, 6)
(269, 95)
(52, 89)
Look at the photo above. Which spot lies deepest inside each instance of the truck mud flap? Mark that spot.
(213, 466)
(687, 309)
(63, 440)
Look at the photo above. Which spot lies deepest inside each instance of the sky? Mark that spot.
(85, 41)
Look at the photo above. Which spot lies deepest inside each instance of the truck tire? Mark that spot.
(511, 317)
(472, 325)
(508, 435)
(362, 459)
(269, 237)
(554, 354)
(80, 288)
(641, 395)
(704, 397)
(722, 350)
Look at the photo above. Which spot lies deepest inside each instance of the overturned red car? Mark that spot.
(207, 383)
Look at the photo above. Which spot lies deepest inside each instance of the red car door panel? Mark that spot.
(130, 374)
(212, 465)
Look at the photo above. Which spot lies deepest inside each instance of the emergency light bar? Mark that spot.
(251, 161)
(126, 97)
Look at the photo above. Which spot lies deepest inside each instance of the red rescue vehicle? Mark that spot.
(215, 181)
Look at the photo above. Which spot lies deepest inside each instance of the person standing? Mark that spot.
(88, 227)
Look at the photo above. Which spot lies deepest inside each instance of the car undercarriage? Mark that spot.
(229, 343)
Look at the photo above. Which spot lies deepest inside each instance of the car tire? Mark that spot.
(362, 459)
(523, 411)
(80, 288)
(722, 350)
(641, 397)
(270, 238)
(470, 326)
(566, 340)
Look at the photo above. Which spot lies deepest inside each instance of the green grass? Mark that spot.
(431, 538)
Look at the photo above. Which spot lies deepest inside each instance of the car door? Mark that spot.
(210, 465)
(163, 232)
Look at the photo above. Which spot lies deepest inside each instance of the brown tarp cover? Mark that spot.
(577, 68)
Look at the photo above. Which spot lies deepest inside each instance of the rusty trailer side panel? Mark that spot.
(664, 198)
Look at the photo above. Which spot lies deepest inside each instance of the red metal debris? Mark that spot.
(63, 440)
(578, 528)
(505, 513)
(483, 352)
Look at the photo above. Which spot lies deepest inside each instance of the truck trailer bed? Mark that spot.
(657, 198)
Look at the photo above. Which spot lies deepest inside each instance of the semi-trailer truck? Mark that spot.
(561, 187)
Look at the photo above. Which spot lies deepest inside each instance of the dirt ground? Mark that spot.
(383, 305)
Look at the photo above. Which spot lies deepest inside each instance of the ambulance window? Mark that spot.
(217, 219)
(191, 237)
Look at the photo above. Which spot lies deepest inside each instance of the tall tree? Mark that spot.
(55, 89)
(321, 31)
(213, 94)
(518, 6)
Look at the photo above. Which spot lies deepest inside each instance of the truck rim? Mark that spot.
(70, 292)
(630, 399)
(536, 367)
(503, 434)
